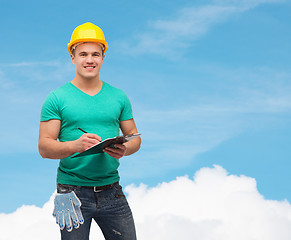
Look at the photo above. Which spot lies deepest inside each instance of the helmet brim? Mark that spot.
(71, 44)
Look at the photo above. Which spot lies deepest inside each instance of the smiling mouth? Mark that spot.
(89, 67)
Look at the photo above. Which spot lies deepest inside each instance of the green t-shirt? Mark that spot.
(100, 114)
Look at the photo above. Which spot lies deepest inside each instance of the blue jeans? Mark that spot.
(108, 208)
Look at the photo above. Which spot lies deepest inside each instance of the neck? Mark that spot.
(89, 86)
(86, 82)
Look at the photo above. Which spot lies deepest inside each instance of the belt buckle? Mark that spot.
(97, 190)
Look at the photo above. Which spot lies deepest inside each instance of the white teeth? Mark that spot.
(89, 67)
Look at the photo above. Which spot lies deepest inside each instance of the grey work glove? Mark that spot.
(67, 208)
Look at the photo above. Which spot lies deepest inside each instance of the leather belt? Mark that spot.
(101, 188)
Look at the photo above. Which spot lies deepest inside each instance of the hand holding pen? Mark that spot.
(118, 151)
(86, 141)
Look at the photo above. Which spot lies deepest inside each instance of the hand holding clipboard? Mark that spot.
(98, 148)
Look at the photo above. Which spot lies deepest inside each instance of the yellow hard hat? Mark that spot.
(87, 32)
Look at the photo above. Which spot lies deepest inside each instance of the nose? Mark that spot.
(89, 59)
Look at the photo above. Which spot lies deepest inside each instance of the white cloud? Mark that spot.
(189, 24)
(33, 223)
(29, 222)
(245, 4)
(34, 73)
(54, 63)
(212, 206)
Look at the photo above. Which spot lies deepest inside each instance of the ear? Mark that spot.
(73, 58)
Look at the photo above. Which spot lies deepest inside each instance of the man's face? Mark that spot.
(88, 59)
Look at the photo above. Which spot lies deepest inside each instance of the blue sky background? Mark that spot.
(209, 82)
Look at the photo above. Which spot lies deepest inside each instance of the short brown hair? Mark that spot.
(74, 47)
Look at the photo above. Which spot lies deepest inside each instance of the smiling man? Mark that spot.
(88, 186)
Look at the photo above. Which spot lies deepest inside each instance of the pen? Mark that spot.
(82, 130)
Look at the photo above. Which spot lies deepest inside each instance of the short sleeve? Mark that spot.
(126, 113)
(50, 108)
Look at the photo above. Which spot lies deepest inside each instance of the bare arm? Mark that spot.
(50, 147)
(128, 148)
(129, 127)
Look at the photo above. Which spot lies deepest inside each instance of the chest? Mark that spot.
(91, 111)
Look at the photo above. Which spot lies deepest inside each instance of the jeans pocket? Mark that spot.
(118, 191)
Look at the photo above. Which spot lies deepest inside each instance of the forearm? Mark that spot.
(132, 146)
(53, 149)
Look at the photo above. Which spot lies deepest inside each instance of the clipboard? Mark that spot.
(98, 148)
